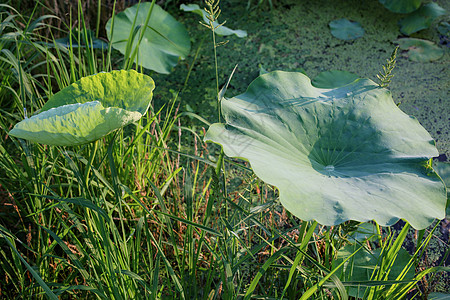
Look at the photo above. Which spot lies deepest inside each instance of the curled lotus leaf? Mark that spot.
(336, 154)
(89, 109)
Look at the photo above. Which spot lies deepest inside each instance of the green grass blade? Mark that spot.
(35, 275)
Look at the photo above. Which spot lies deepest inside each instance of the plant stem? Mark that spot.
(217, 73)
(90, 162)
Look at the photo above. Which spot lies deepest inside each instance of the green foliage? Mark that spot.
(20, 57)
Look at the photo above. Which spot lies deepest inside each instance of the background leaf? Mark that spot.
(165, 40)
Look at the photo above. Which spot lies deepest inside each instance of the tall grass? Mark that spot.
(137, 216)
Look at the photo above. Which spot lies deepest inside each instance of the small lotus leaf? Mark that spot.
(346, 30)
(165, 40)
(401, 6)
(421, 18)
(333, 79)
(347, 153)
(89, 109)
(420, 50)
(361, 266)
(222, 30)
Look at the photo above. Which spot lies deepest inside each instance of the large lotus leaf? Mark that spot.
(346, 30)
(361, 266)
(89, 109)
(347, 153)
(222, 30)
(165, 39)
(420, 50)
(401, 6)
(421, 18)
